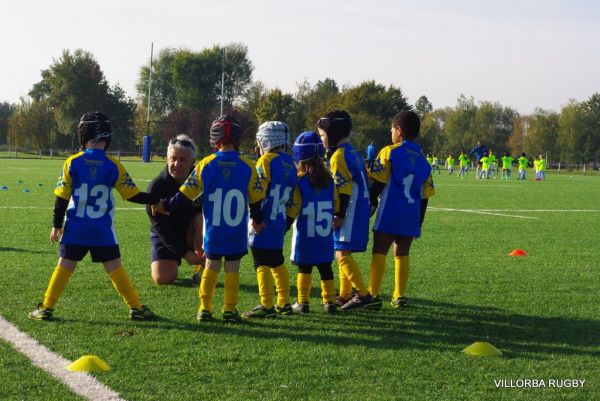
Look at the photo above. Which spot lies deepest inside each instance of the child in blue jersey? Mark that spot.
(313, 205)
(228, 183)
(277, 174)
(402, 176)
(84, 193)
(351, 222)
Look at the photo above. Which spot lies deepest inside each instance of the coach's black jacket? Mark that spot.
(172, 229)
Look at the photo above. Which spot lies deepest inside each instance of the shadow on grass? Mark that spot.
(425, 325)
(11, 249)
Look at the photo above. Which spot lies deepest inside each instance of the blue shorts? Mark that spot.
(159, 251)
(98, 253)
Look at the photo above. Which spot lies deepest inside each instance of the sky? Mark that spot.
(524, 54)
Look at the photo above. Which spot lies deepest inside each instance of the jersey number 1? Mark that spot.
(223, 207)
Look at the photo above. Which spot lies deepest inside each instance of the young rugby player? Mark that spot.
(492, 164)
(523, 164)
(313, 205)
(277, 174)
(402, 176)
(463, 163)
(485, 166)
(507, 162)
(84, 193)
(228, 183)
(450, 164)
(352, 220)
(541, 168)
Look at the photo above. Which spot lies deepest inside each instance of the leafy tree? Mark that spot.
(31, 125)
(542, 132)
(423, 106)
(183, 79)
(164, 98)
(274, 105)
(75, 84)
(457, 127)
(6, 110)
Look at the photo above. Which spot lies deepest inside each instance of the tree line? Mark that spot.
(187, 93)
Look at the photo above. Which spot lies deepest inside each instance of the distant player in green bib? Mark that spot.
(523, 163)
(450, 164)
(507, 162)
(463, 164)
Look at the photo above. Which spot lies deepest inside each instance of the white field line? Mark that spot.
(516, 216)
(80, 383)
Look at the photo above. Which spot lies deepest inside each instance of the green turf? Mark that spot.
(541, 311)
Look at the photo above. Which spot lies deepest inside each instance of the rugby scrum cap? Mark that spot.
(337, 124)
(223, 130)
(272, 134)
(308, 145)
(94, 126)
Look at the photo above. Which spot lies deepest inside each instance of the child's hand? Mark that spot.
(258, 227)
(337, 222)
(55, 234)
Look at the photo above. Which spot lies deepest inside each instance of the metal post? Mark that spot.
(222, 80)
(149, 90)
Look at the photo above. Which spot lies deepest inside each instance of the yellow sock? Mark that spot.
(123, 285)
(206, 291)
(231, 286)
(376, 273)
(345, 284)
(304, 283)
(58, 282)
(198, 269)
(327, 290)
(265, 286)
(402, 264)
(282, 284)
(354, 274)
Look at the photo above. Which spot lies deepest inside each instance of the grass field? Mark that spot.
(541, 311)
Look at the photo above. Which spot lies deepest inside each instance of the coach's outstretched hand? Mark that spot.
(55, 234)
(257, 227)
(158, 208)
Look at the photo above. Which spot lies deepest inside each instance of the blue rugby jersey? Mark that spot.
(350, 176)
(87, 180)
(278, 176)
(407, 175)
(229, 183)
(313, 208)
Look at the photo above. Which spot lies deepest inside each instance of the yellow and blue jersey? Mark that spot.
(407, 175)
(350, 177)
(278, 175)
(228, 183)
(313, 209)
(87, 180)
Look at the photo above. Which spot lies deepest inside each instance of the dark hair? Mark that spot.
(317, 173)
(409, 122)
(337, 124)
(523, 154)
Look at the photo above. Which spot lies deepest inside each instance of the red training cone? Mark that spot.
(518, 252)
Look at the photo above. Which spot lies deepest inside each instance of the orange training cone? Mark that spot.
(518, 252)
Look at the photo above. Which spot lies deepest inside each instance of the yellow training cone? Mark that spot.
(482, 348)
(88, 363)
